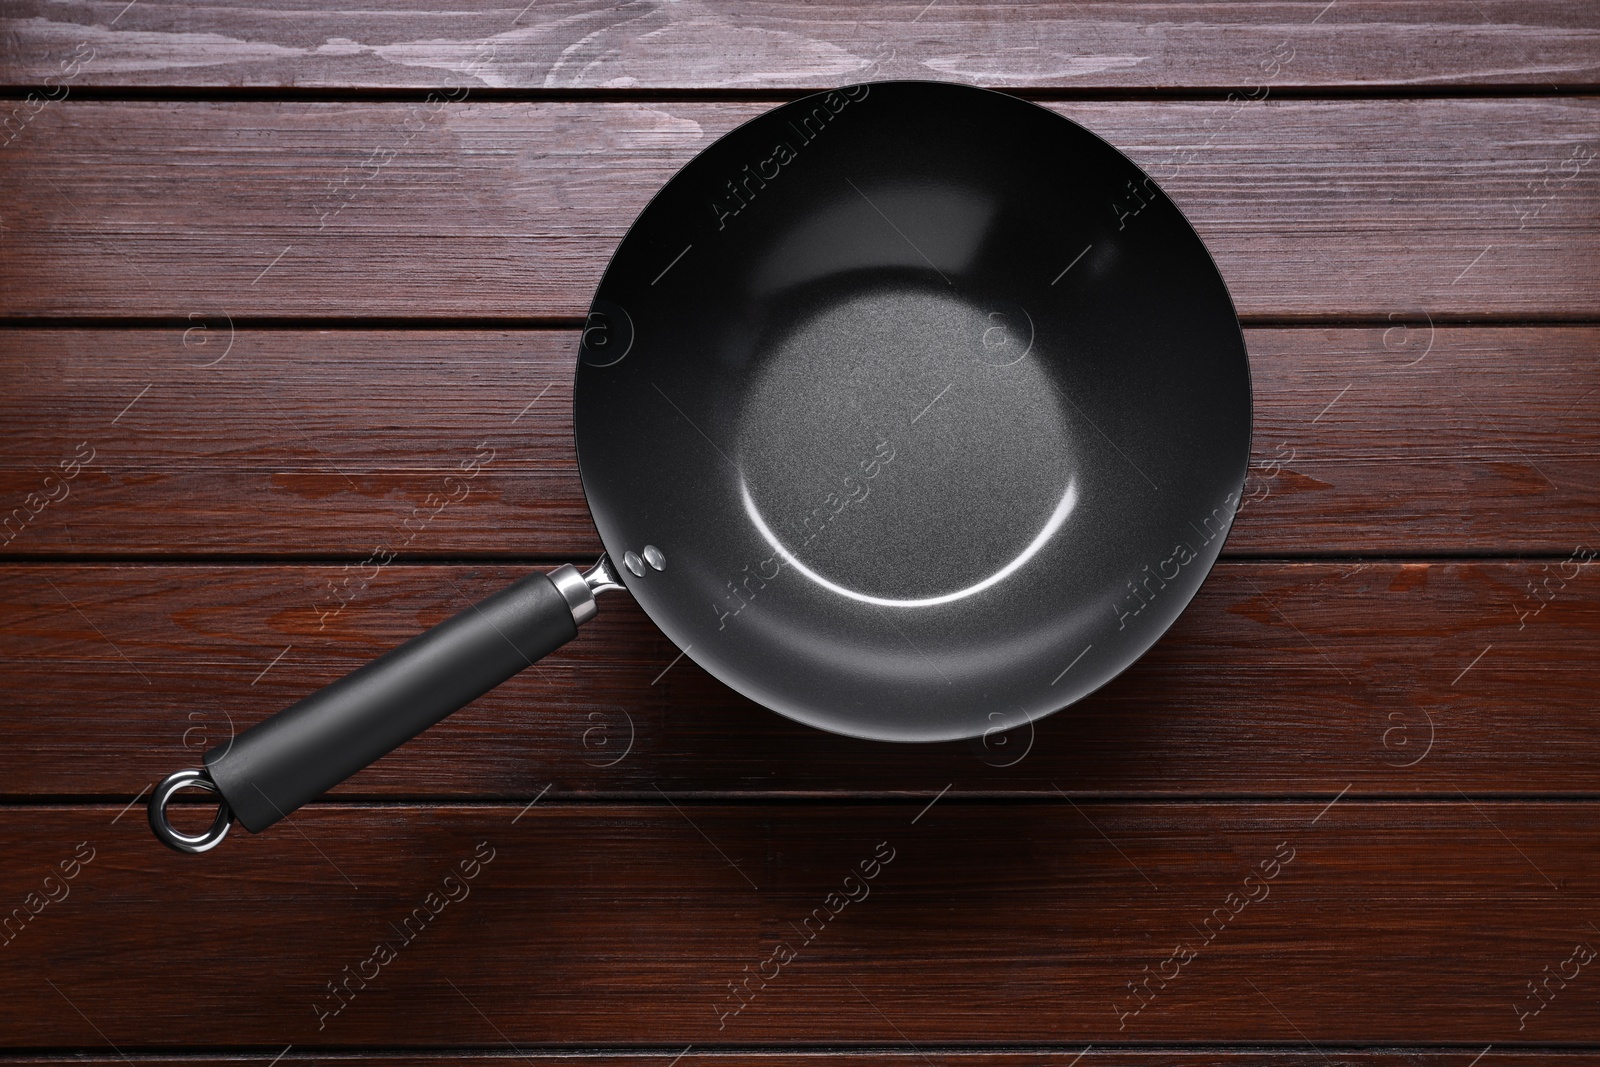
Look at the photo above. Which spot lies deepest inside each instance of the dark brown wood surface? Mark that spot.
(575, 45)
(1302, 1055)
(987, 923)
(1395, 439)
(903, 1056)
(258, 353)
(1313, 208)
(1298, 678)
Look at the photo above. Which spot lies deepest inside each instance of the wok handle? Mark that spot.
(303, 751)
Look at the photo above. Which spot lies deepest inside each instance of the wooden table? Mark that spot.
(270, 273)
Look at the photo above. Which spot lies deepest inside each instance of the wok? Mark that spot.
(909, 410)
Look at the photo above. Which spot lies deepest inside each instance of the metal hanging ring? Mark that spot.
(176, 839)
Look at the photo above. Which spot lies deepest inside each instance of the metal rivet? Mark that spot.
(634, 563)
(653, 556)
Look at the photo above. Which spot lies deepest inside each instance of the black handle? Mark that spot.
(303, 751)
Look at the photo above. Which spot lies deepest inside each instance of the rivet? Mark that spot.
(653, 556)
(634, 563)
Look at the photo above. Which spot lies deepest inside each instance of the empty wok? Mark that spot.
(911, 411)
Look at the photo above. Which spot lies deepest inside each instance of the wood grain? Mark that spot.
(1416, 249)
(902, 1056)
(584, 44)
(1400, 440)
(1311, 208)
(1015, 923)
(1280, 679)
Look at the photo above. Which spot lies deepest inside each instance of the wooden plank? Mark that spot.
(1280, 679)
(584, 44)
(1312, 208)
(259, 441)
(1399, 440)
(1094, 1057)
(904, 1056)
(1016, 923)
(1097, 1057)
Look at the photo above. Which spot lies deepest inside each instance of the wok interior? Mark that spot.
(935, 432)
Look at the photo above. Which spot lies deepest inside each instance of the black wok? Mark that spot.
(909, 410)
